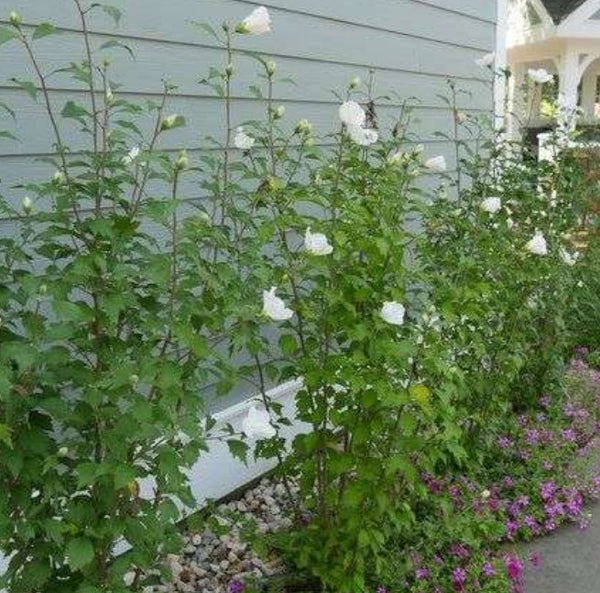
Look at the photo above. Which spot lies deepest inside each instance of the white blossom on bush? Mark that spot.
(170, 121)
(363, 136)
(59, 177)
(491, 205)
(393, 313)
(27, 205)
(352, 114)
(274, 307)
(397, 158)
(257, 22)
(537, 245)
(242, 141)
(568, 258)
(461, 117)
(257, 424)
(317, 243)
(437, 164)
(303, 127)
(133, 154)
(539, 75)
(486, 60)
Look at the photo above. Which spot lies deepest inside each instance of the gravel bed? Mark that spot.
(209, 563)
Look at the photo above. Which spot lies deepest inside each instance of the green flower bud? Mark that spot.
(182, 161)
(169, 122)
(270, 66)
(43, 289)
(229, 70)
(355, 83)
(63, 452)
(134, 380)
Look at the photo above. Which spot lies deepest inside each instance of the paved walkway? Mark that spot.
(570, 560)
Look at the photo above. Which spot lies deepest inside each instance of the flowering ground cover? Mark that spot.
(467, 536)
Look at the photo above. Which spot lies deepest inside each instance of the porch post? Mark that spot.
(588, 95)
(516, 100)
(569, 77)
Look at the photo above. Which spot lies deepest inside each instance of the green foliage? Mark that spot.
(416, 320)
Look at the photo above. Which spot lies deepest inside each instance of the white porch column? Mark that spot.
(516, 100)
(569, 76)
(588, 95)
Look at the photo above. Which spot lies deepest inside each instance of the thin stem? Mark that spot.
(90, 65)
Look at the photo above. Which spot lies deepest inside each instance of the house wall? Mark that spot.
(412, 47)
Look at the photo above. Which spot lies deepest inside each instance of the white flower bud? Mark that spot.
(355, 82)
(303, 127)
(229, 70)
(15, 19)
(63, 452)
(278, 112)
(27, 205)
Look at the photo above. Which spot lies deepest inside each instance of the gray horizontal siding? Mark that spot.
(412, 47)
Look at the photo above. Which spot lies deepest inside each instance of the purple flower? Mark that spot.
(532, 524)
(544, 401)
(575, 504)
(422, 574)
(532, 436)
(459, 576)
(508, 482)
(235, 587)
(535, 559)
(541, 417)
(547, 489)
(487, 569)
(504, 442)
(522, 420)
(511, 528)
(569, 435)
(381, 589)
(459, 551)
(513, 567)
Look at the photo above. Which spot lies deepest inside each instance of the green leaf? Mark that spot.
(7, 35)
(28, 86)
(239, 449)
(43, 30)
(112, 43)
(79, 552)
(74, 111)
(288, 344)
(5, 134)
(111, 11)
(5, 437)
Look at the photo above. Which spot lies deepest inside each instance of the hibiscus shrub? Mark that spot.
(105, 342)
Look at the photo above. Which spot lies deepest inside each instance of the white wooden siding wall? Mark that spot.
(413, 46)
